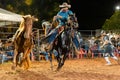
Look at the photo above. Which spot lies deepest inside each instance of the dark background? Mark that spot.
(92, 14)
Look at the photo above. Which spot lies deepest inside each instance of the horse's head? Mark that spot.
(72, 21)
(28, 20)
(27, 23)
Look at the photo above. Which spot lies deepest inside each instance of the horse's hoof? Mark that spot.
(52, 68)
(58, 68)
(118, 61)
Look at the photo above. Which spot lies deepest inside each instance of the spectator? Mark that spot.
(108, 49)
(91, 41)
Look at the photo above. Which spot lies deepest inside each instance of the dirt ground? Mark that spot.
(74, 69)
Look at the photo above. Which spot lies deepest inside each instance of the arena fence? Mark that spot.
(8, 32)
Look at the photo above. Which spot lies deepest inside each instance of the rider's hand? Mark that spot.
(58, 16)
(54, 18)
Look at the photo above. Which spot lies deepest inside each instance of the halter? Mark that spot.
(72, 21)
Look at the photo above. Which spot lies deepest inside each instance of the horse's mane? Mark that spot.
(21, 27)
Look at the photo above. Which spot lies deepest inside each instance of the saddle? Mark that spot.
(60, 29)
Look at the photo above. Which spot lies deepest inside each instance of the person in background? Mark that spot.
(108, 49)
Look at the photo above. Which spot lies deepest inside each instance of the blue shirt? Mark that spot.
(65, 16)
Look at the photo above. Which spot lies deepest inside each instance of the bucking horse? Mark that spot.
(23, 42)
(63, 43)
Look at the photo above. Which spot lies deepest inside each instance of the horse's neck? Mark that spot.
(72, 20)
(64, 37)
(28, 32)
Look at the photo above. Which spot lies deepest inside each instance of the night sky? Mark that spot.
(92, 14)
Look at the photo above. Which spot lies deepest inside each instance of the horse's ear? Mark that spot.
(23, 17)
(75, 17)
(34, 19)
(26, 16)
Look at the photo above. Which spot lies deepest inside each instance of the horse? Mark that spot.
(23, 43)
(63, 47)
(63, 42)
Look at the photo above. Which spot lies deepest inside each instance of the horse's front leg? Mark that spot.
(14, 59)
(59, 59)
(28, 58)
(50, 58)
(24, 62)
(59, 63)
(64, 58)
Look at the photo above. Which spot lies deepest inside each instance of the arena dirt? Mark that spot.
(74, 69)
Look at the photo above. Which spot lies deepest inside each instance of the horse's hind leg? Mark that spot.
(14, 59)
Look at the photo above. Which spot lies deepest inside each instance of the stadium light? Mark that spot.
(117, 7)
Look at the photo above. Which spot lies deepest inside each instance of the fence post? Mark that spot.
(38, 37)
(91, 33)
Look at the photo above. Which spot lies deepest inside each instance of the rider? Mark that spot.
(62, 17)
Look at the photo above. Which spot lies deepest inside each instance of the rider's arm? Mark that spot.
(61, 16)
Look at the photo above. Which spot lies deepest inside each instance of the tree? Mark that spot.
(113, 23)
(42, 9)
(45, 9)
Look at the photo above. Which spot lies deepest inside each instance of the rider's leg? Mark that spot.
(76, 42)
(106, 57)
(55, 53)
(46, 56)
(52, 37)
(115, 58)
(107, 60)
(54, 30)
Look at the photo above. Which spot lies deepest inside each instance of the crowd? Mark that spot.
(6, 51)
(107, 44)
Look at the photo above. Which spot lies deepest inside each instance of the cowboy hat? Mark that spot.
(64, 4)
